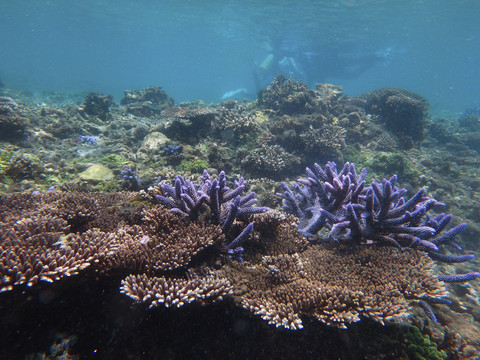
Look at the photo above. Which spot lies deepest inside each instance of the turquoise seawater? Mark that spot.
(203, 49)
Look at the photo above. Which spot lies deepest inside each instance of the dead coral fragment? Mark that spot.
(174, 292)
(336, 286)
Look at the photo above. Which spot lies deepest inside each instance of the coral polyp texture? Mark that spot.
(164, 241)
(174, 292)
(36, 242)
(338, 286)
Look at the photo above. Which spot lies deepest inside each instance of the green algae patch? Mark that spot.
(193, 166)
(112, 159)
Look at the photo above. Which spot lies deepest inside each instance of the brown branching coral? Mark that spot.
(164, 242)
(52, 235)
(49, 236)
(75, 208)
(175, 292)
(39, 248)
(335, 287)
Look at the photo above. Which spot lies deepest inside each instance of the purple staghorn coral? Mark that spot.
(190, 200)
(378, 214)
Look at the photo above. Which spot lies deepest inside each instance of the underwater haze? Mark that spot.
(215, 50)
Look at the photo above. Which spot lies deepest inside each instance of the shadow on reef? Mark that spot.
(105, 326)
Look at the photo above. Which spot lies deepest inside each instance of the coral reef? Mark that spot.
(187, 124)
(402, 111)
(148, 102)
(234, 123)
(223, 205)
(97, 105)
(377, 214)
(159, 258)
(287, 97)
(12, 123)
(338, 286)
(194, 248)
(270, 160)
(322, 126)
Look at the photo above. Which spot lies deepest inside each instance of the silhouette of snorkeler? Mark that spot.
(316, 65)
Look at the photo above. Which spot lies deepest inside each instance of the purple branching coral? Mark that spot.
(190, 199)
(377, 214)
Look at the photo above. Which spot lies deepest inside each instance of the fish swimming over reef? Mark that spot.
(234, 93)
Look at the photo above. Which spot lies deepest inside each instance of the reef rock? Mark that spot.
(96, 173)
(154, 143)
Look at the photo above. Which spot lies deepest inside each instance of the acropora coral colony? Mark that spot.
(389, 242)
